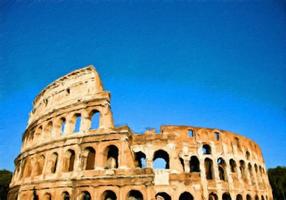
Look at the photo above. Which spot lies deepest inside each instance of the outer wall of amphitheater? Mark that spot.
(71, 150)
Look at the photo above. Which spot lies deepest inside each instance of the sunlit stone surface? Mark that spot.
(71, 150)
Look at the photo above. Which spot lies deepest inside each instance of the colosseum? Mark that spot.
(71, 150)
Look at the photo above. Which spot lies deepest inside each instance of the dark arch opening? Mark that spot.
(66, 196)
(182, 163)
(194, 164)
(135, 195)
(213, 196)
(109, 195)
(112, 157)
(247, 155)
(140, 158)
(221, 169)
(86, 196)
(239, 197)
(163, 195)
(90, 159)
(70, 160)
(206, 149)
(232, 164)
(242, 169)
(209, 169)
(161, 160)
(248, 197)
(54, 164)
(186, 196)
(226, 196)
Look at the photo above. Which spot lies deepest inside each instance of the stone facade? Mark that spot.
(72, 150)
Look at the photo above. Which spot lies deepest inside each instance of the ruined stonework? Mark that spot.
(72, 150)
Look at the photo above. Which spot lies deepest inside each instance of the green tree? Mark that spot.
(5, 178)
(277, 178)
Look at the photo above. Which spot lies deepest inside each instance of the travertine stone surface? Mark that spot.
(71, 150)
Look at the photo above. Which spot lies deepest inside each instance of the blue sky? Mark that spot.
(218, 64)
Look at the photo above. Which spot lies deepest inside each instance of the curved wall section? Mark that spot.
(79, 85)
(72, 151)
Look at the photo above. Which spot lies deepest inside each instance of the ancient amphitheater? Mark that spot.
(72, 151)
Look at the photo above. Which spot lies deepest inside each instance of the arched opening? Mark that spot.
(209, 169)
(255, 168)
(63, 125)
(221, 169)
(35, 195)
(239, 197)
(256, 197)
(94, 119)
(248, 197)
(69, 163)
(77, 121)
(111, 153)
(140, 159)
(242, 169)
(226, 196)
(186, 196)
(47, 196)
(90, 158)
(162, 196)
(190, 133)
(213, 196)
(247, 155)
(262, 197)
(206, 149)
(54, 162)
(161, 160)
(194, 164)
(232, 164)
(86, 196)
(109, 195)
(216, 135)
(182, 163)
(66, 196)
(135, 195)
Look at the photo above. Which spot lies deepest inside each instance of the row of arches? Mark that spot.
(64, 125)
(227, 196)
(35, 166)
(137, 195)
(160, 160)
(206, 150)
(247, 172)
(110, 195)
(194, 165)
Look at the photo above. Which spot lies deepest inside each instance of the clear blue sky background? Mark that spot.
(204, 63)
